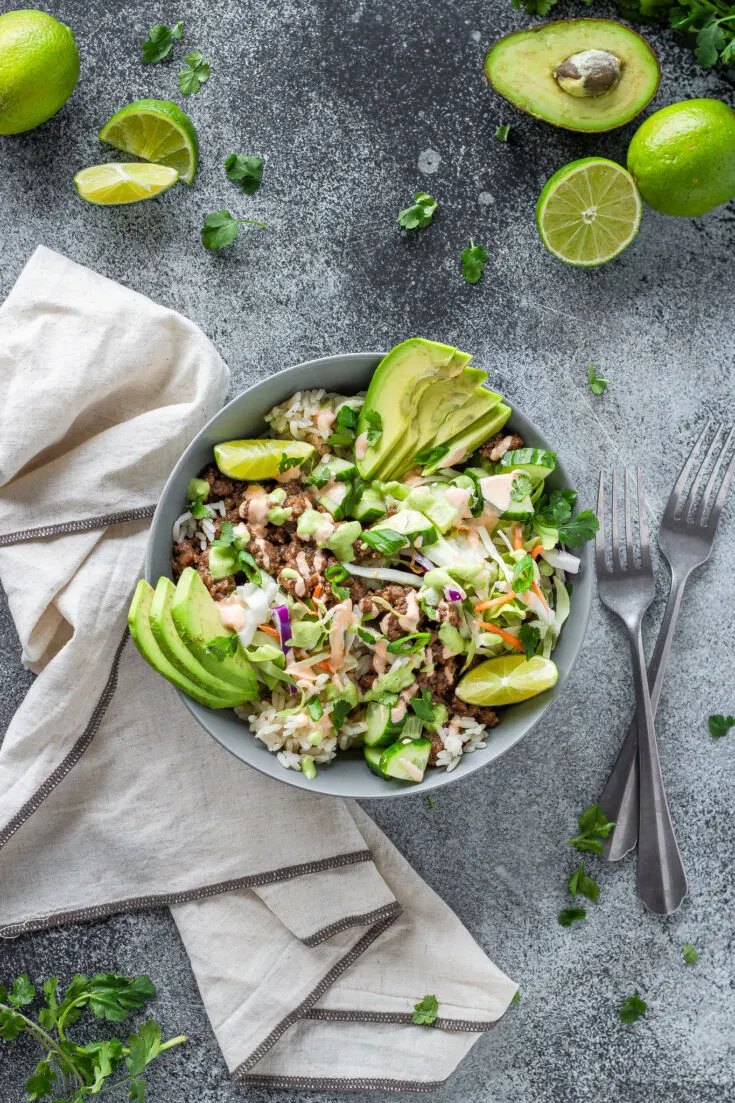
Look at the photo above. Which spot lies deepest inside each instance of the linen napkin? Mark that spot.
(310, 936)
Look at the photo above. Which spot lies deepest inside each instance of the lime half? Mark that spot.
(588, 212)
(260, 459)
(110, 184)
(507, 680)
(158, 131)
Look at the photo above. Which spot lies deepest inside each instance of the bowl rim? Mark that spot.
(579, 615)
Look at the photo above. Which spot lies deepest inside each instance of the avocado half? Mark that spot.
(580, 74)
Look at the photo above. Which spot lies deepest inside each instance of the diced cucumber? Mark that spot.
(396, 489)
(409, 523)
(519, 511)
(197, 488)
(371, 506)
(537, 463)
(381, 730)
(432, 502)
(372, 758)
(222, 562)
(333, 500)
(406, 760)
(412, 727)
(332, 467)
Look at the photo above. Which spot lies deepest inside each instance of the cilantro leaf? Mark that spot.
(522, 487)
(385, 541)
(220, 229)
(136, 1091)
(245, 170)
(420, 213)
(426, 1011)
(198, 509)
(474, 258)
(41, 1081)
(22, 991)
(720, 725)
(144, 1046)
(431, 455)
(523, 574)
(409, 645)
(111, 996)
(581, 528)
(11, 1025)
(222, 646)
(558, 509)
(250, 567)
(517, 996)
(596, 384)
(633, 1008)
(47, 1016)
(502, 132)
(567, 916)
(196, 74)
(226, 536)
(535, 7)
(339, 712)
(375, 426)
(690, 954)
(346, 417)
(581, 882)
(529, 638)
(423, 706)
(593, 821)
(710, 40)
(160, 42)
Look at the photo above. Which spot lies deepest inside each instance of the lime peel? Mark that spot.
(158, 131)
(507, 680)
(112, 184)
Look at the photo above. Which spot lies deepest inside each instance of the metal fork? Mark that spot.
(628, 589)
(685, 539)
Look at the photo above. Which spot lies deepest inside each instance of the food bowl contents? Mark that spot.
(581, 74)
(683, 157)
(380, 571)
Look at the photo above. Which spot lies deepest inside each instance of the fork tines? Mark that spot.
(633, 556)
(696, 507)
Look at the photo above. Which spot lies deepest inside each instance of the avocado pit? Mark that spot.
(590, 73)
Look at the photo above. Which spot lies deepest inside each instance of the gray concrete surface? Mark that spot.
(343, 97)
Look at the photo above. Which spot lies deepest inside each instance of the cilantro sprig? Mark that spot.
(633, 1008)
(220, 229)
(720, 725)
(425, 1011)
(375, 427)
(593, 827)
(196, 73)
(78, 1071)
(689, 954)
(160, 41)
(596, 384)
(474, 258)
(420, 213)
(502, 132)
(245, 170)
(556, 513)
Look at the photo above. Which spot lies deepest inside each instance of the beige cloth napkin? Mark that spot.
(309, 935)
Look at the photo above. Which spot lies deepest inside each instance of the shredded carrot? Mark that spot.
(271, 631)
(537, 590)
(518, 538)
(324, 665)
(536, 552)
(317, 591)
(500, 632)
(412, 565)
(493, 604)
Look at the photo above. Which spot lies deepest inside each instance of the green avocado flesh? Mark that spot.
(143, 638)
(465, 443)
(197, 620)
(425, 396)
(521, 67)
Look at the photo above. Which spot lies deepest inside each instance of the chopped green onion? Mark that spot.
(409, 645)
(308, 769)
(336, 573)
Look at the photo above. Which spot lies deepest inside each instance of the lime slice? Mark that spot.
(158, 131)
(588, 212)
(260, 459)
(110, 184)
(507, 680)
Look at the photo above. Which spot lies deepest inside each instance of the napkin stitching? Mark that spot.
(348, 921)
(326, 1083)
(346, 1015)
(87, 524)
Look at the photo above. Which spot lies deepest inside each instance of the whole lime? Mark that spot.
(683, 157)
(39, 68)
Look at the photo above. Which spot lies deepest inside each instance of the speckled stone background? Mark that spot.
(352, 103)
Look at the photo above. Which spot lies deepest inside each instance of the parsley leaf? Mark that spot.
(581, 882)
(593, 826)
(567, 916)
(580, 528)
(222, 646)
(558, 509)
(522, 487)
(474, 258)
(431, 455)
(523, 574)
(221, 229)
(375, 426)
(596, 383)
(385, 541)
(633, 1008)
(250, 567)
(245, 170)
(346, 417)
(690, 954)
(502, 132)
(720, 725)
(529, 638)
(160, 42)
(420, 213)
(423, 706)
(195, 75)
(426, 1011)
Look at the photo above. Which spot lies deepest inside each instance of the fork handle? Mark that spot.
(661, 880)
(619, 800)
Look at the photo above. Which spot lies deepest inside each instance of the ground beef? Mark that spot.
(448, 613)
(222, 489)
(492, 450)
(395, 595)
(189, 554)
(440, 682)
(436, 747)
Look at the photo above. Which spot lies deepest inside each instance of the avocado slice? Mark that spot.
(143, 638)
(465, 443)
(580, 74)
(397, 384)
(176, 651)
(197, 622)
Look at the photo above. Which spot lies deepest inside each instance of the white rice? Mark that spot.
(462, 735)
(298, 416)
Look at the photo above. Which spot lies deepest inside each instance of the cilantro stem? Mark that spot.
(177, 1041)
(65, 1063)
(251, 222)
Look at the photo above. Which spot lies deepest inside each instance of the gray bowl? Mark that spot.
(347, 776)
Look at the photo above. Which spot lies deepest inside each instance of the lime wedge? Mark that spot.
(260, 459)
(158, 131)
(110, 184)
(588, 212)
(507, 680)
